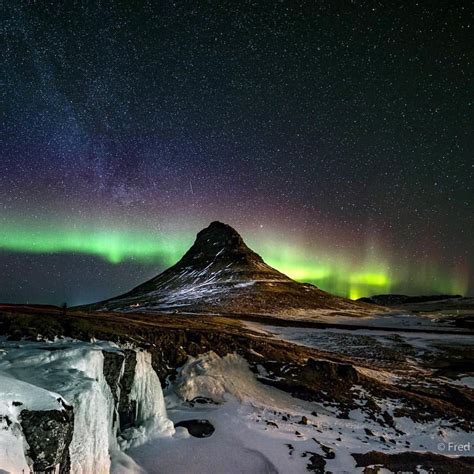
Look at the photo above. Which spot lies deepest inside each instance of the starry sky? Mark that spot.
(336, 137)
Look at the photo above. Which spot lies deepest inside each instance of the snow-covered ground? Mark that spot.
(388, 319)
(258, 428)
(382, 347)
(327, 338)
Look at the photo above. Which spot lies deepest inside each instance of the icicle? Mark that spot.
(93, 408)
(151, 417)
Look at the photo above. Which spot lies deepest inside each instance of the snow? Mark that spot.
(355, 341)
(467, 381)
(41, 375)
(225, 378)
(30, 397)
(225, 452)
(258, 427)
(389, 319)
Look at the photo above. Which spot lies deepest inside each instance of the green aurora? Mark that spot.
(339, 274)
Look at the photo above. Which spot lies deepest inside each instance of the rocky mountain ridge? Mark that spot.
(422, 303)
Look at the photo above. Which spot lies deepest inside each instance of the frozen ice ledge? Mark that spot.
(70, 406)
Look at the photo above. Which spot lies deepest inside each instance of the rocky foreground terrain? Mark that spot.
(221, 364)
(251, 393)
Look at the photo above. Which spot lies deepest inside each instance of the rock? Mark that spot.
(113, 363)
(316, 464)
(127, 408)
(48, 434)
(315, 380)
(119, 372)
(6, 419)
(414, 461)
(304, 421)
(329, 453)
(336, 372)
(197, 428)
(202, 401)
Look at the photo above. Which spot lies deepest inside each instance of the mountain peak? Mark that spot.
(219, 240)
(218, 234)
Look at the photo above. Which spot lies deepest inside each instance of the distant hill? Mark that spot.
(422, 303)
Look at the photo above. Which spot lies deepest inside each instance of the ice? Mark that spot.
(93, 407)
(74, 370)
(151, 409)
(467, 381)
(43, 376)
(229, 377)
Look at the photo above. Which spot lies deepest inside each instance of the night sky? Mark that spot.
(336, 137)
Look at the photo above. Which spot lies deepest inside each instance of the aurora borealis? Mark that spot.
(337, 273)
(336, 139)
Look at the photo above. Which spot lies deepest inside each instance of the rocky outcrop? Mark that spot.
(413, 462)
(48, 434)
(314, 380)
(113, 368)
(119, 372)
(127, 408)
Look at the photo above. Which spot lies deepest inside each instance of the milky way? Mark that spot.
(336, 139)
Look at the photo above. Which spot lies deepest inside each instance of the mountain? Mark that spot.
(219, 273)
(422, 302)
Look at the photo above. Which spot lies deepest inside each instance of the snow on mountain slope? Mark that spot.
(60, 390)
(220, 273)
